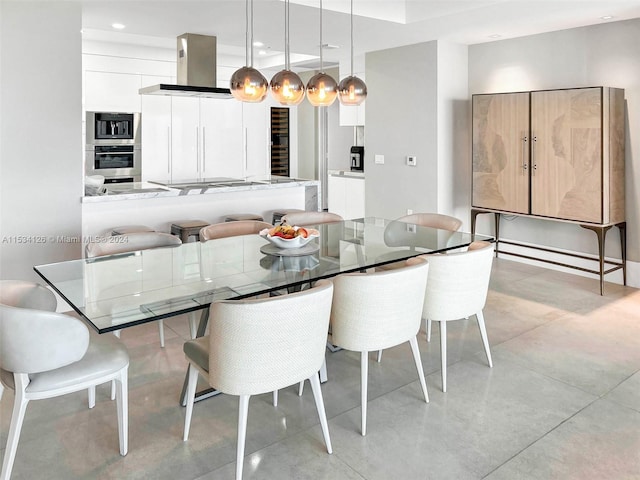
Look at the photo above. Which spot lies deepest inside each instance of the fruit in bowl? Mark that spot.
(286, 236)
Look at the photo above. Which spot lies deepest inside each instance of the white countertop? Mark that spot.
(347, 173)
(143, 190)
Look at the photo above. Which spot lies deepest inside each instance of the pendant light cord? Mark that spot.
(352, 38)
(246, 33)
(321, 63)
(251, 65)
(287, 51)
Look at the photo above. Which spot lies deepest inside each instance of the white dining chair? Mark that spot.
(374, 311)
(132, 242)
(232, 229)
(44, 354)
(457, 289)
(302, 219)
(254, 348)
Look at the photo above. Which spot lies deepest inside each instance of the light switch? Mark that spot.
(379, 159)
(412, 160)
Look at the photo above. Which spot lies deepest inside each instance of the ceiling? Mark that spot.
(378, 24)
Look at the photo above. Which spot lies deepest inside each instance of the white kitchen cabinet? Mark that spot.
(186, 164)
(156, 138)
(256, 130)
(222, 147)
(111, 92)
(190, 138)
(346, 196)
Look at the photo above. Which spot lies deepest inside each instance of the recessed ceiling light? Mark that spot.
(495, 35)
(258, 43)
(607, 17)
(117, 26)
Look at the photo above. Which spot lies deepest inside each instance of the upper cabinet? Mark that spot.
(552, 153)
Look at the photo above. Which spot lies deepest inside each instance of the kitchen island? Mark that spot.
(158, 205)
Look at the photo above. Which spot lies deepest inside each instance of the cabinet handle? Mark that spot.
(204, 154)
(524, 155)
(169, 156)
(534, 166)
(197, 150)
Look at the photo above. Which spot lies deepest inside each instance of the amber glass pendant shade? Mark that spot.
(352, 90)
(322, 90)
(248, 85)
(287, 88)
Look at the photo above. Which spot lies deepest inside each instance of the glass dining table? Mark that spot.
(120, 291)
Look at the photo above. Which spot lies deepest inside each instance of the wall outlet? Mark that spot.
(379, 159)
(412, 160)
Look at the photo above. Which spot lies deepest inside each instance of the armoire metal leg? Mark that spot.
(622, 227)
(601, 233)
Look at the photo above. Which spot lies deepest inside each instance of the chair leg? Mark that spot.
(1, 391)
(161, 332)
(122, 406)
(113, 389)
(317, 396)
(483, 334)
(443, 354)
(243, 413)
(17, 417)
(301, 388)
(428, 329)
(192, 383)
(416, 358)
(275, 398)
(379, 356)
(92, 396)
(364, 373)
(323, 371)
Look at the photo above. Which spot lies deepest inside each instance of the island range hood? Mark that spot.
(196, 65)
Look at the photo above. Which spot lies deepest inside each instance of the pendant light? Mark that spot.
(286, 86)
(248, 84)
(352, 90)
(322, 88)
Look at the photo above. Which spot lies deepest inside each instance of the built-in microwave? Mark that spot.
(112, 128)
(117, 163)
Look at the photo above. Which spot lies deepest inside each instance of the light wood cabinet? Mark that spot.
(555, 153)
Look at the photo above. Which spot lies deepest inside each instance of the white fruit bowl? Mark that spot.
(295, 242)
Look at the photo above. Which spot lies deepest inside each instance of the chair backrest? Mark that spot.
(19, 293)
(34, 341)
(373, 311)
(458, 283)
(301, 219)
(435, 220)
(261, 345)
(131, 242)
(232, 229)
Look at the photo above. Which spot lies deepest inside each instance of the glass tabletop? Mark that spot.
(119, 291)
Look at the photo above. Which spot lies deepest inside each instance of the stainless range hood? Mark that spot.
(196, 65)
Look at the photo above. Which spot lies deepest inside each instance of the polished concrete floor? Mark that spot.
(561, 402)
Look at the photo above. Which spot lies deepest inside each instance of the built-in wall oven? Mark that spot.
(113, 146)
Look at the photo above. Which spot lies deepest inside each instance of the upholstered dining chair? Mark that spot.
(232, 229)
(374, 311)
(253, 348)
(132, 242)
(310, 218)
(44, 354)
(457, 289)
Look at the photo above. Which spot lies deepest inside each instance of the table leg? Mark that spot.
(208, 392)
(622, 227)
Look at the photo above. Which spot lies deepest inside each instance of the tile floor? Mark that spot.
(562, 402)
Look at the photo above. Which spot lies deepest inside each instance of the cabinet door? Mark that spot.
(354, 197)
(111, 92)
(566, 176)
(156, 138)
(336, 195)
(255, 119)
(501, 152)
(222, 140)
(185, 139)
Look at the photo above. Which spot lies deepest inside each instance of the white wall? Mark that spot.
(607, 55)
(40, 134)
(400, 123)
(454, 166)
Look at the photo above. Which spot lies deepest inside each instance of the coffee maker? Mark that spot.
(357, 158)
